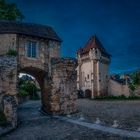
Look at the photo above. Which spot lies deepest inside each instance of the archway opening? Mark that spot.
(34, 82)
(28, 88)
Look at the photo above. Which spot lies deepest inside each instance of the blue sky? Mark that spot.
(115, 22)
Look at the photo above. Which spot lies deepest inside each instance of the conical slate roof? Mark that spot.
(42, 31)
(93, 42)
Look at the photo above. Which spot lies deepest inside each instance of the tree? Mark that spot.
(28, 88)
(10, 11)
(135, 77)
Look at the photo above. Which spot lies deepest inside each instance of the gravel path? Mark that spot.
(127, 113)
(34, 126)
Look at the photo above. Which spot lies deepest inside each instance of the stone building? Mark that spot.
(38, 54)
(93, 68)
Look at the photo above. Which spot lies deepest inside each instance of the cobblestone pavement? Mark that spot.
(35, 126)
(127, 113)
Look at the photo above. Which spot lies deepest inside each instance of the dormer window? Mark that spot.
(32, 49)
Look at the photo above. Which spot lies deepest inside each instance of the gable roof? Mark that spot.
(93, 42)
(42, 31)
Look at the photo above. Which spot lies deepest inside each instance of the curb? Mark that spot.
(111, 130)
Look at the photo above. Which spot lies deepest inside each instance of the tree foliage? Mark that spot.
(27, 88)
(135, 77)
(9, 11)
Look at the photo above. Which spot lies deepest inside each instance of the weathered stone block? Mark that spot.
(10, 109)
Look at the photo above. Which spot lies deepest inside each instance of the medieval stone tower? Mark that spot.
(93, 68)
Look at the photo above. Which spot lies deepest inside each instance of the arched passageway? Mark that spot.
(44, 82)
(28, 87)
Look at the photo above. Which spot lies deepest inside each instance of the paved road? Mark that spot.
(35, 126)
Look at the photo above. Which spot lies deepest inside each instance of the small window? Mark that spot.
(88, 76)
(52, 44)
(32, 49)
(95, 50)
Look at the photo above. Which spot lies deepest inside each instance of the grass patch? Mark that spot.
(122, 97)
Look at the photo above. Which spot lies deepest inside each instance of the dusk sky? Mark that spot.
(115, 22)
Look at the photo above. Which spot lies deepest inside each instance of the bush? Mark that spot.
(132, 87)
(12, 52)
(134, 98)
(106, 97)
(121, 97)
(3, 120)
(29, 89)
(23, 93)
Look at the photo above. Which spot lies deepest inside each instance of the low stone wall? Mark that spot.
(117, 89)
(64, 91)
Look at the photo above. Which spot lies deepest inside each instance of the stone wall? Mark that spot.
(103, 76)
(64, 91)
(54, 49)
(117, 89)
(46, 49)
(42, 57)
(7, 41)
(8, 75)
(8, 87)
(137, 91)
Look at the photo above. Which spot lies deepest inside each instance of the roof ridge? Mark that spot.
(25, 23)
(34, 29)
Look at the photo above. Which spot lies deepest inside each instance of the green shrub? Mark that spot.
(12, 52)
(134, 98)
(23, 93)
(29, 89)
(132, 87)
(121, 97)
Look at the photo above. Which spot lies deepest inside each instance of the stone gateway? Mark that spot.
(38, 54)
